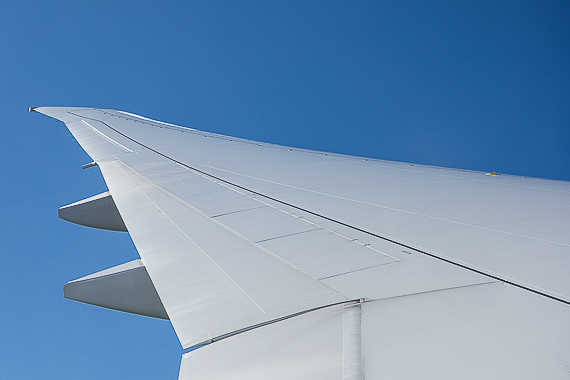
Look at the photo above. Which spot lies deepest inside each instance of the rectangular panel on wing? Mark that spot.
(223, 201)
(265, 223)
(325, 254)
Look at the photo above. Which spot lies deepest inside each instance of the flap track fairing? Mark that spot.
(98, 211)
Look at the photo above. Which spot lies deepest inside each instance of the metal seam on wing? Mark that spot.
(106, 137)
(435, 291)
(272, 321)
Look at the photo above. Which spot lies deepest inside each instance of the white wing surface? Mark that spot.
(293, 264)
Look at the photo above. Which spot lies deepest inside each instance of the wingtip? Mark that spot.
(59, 113)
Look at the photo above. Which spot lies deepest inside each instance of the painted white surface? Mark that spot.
(306, 347)
(196, 203)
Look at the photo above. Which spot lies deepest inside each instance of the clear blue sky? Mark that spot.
(475, 85)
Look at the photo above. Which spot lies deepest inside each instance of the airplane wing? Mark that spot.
(285, 263)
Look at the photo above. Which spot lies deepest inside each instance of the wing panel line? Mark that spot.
(252, 327)
(106, 137)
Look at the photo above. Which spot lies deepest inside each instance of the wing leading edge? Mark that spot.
(300, 264)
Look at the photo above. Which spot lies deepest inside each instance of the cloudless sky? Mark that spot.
(479, 85)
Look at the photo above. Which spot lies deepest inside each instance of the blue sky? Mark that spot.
(482, 86)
